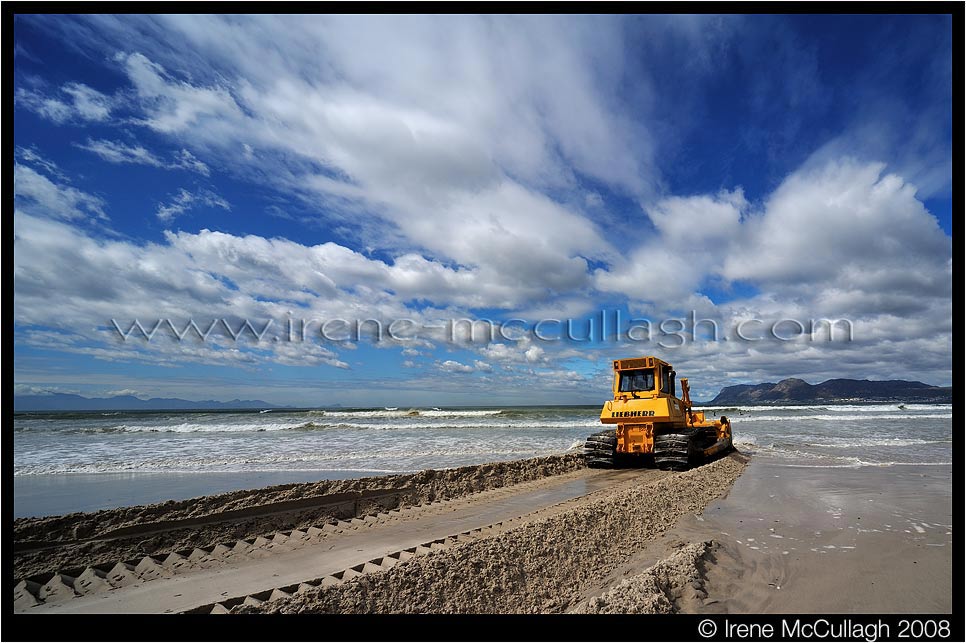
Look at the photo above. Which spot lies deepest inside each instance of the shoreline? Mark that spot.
(50, 495)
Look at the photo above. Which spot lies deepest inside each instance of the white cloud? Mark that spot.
(451, 366)
(32, 156)
(118, 152)
(692, 238)
(188, 161)
(89, 104)
(37, 194)
(521, 351)
(555, 114)
(125, 392)
(178, 106)
(29, 389)
(186, 200)
(52, 109)
(422, 165)
(74, 101)
(204, 276)
(845, 224)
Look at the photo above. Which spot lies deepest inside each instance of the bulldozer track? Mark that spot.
(103, 587)
(673, 451)
(376, 565)
(600, 448)
(348, 501)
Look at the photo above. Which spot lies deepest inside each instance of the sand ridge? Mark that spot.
(546, 565)
(43, 545)
(673, 584)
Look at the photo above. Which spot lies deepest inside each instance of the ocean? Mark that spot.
(66, 462)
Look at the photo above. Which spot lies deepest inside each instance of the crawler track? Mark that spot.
(674, 451)
(600, 449)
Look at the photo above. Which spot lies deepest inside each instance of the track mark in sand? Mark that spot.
(226, 557)
(381, 564)
(544, 564)
(338, 500)
(389, 561)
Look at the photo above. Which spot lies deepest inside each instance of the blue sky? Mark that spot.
(757, 172)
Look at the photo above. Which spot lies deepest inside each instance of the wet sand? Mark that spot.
(829, 540)
(51, 495)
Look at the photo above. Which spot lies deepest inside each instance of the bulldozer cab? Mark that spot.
(643, 377)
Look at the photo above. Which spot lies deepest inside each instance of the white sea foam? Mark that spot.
(848, 443)
(319, 424)
(840, 418)
(226, 427)
(858, 463)
(455, 413)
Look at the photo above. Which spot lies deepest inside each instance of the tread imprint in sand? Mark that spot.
(61, 586)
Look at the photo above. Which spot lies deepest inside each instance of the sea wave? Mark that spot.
(319, 424)
(802, 455)
(858, 463)
(189, 427)
(346, 461)
(383, 413)
(848, 443)
(841, 418)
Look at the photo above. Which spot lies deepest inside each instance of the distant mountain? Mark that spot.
(796, 391)
(70, 402)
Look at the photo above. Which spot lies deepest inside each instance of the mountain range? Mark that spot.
(71, 402)
(796, 391)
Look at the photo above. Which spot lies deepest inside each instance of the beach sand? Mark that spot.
(544, 535)
(830, 540)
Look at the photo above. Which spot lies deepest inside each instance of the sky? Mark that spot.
(477, 210)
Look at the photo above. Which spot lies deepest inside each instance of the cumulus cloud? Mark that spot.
(201, 276)
(452, 366)
(522, 351)
(693, 237)
(844, 223)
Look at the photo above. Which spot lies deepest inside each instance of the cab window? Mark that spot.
(667, 382)
(634, 381)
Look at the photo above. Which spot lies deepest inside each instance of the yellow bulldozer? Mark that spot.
(654, 426)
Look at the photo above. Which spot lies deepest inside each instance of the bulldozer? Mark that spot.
(654, 426)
